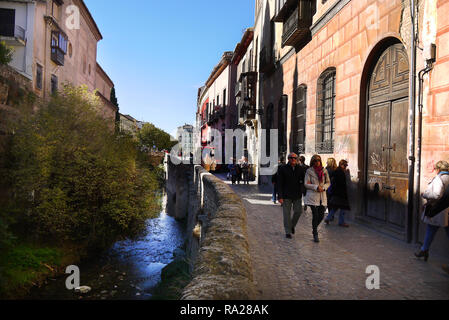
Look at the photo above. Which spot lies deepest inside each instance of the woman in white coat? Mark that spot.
(316, 182)
(436, 190)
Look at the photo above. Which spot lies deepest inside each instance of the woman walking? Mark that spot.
(316, 182)
(437, 196)
(338, 198)
(331, 167)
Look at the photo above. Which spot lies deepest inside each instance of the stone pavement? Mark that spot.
(335, 268)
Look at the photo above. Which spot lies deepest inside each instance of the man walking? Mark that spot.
(290, 183)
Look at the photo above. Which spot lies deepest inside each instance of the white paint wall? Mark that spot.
(23, 55)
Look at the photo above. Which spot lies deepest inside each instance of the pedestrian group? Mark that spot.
(327, 188)
(239, 170)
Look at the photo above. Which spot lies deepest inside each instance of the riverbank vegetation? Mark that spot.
(68, 180)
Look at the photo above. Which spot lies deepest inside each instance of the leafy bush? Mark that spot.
(5, 53)
(72, 178)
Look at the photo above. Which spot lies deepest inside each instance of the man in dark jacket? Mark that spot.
(290, 183)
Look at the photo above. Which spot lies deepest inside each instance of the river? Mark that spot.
(129, 270)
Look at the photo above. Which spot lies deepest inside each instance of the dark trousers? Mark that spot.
(275, 193)
(246, 177)
(317, 217)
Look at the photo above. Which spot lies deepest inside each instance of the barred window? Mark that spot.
(325, 115)
(299, 120)
(282, 125)
(268, 126)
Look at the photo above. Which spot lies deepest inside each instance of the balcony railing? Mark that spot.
(299, 148)
(325, 146)
(248, 81)
(12, 31)
(296, 27)
(267, 60)
(283, 7)
(57, 55)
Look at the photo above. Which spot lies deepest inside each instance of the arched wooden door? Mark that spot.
(387, 140)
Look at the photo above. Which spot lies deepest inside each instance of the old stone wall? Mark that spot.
(217, 243)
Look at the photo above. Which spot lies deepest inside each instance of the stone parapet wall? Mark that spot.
(218, 246)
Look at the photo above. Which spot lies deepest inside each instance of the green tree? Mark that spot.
(74, 179)
(5, 53)
(114, 101)
(150, 136)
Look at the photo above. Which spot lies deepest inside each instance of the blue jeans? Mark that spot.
(341, 215)
(431, 231)
(275, 193)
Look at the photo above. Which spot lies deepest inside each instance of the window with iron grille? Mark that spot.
(299, 120)
(268, 126)
(282, 125)
(325, 115)
(38, 77)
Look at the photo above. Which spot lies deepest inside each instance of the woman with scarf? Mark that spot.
(317, 181)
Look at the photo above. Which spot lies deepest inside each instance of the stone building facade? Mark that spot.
(338, 83)
(216, 107)
(55, 43)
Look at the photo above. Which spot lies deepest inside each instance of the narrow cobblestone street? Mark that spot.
(298, 268)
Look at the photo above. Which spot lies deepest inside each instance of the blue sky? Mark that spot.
(158, 53)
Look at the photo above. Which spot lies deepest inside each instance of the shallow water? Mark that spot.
(130, 270)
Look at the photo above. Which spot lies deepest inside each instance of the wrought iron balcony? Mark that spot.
(247, 111)
(283, 7)
(248, 81)
(57, 55)
(267, 60)
(12, 34)
(296, 27)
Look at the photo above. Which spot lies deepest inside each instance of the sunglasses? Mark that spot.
(293, 158)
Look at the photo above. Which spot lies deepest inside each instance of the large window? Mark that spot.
(59, 43)
(7, 22)
(325, 115)
(299, 120)
(268, 126)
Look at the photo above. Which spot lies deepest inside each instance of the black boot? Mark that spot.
(315, 237)
(424, 254)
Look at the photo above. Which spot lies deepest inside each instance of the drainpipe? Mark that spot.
(422, 73)
(412, 115)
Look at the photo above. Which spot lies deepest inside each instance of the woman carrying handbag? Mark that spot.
(436, 212)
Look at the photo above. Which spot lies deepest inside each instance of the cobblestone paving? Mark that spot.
(335, 268)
